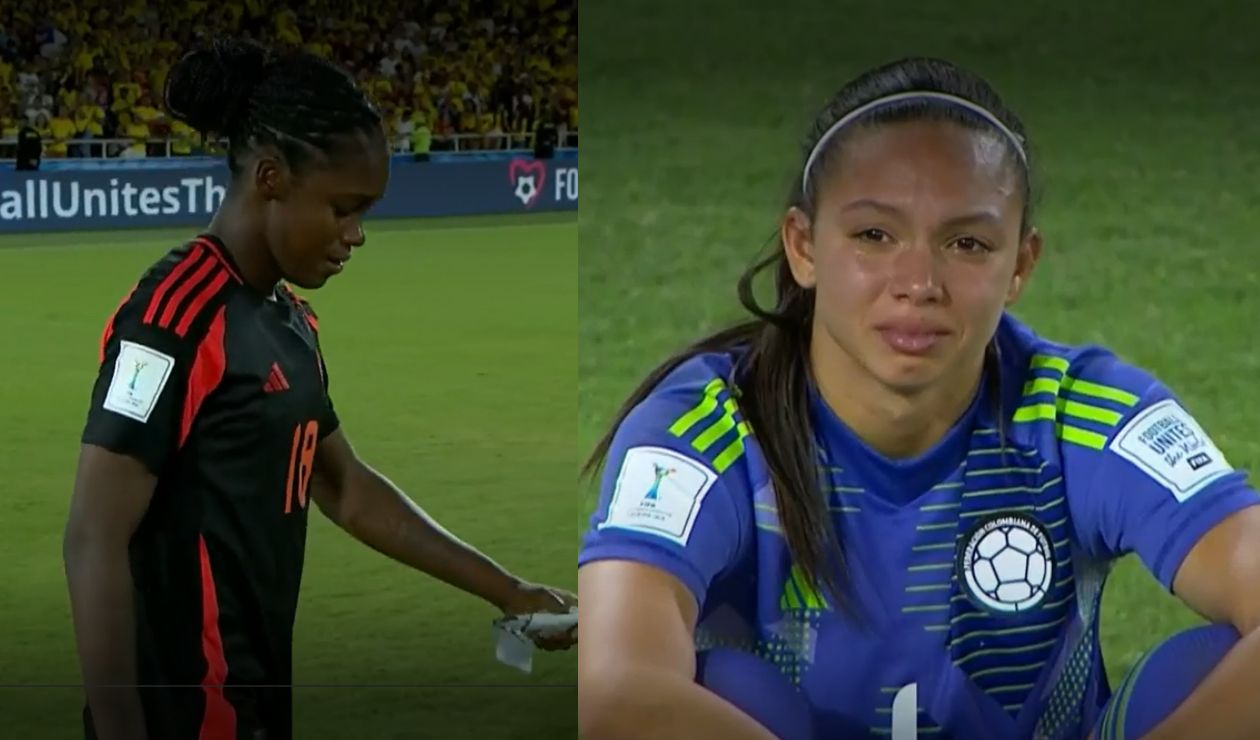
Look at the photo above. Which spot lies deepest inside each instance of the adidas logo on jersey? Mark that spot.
(275, 380)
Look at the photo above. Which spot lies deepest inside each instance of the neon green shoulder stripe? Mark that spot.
(706, 406)
(1063, 410)
(713, 428)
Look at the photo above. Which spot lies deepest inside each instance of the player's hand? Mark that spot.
(529, 598)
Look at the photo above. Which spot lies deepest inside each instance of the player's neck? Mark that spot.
(892, 423)
(246, 243)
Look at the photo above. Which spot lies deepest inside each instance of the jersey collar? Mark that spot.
(853, 463)
(223, 254)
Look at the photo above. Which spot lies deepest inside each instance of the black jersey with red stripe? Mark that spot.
(223, 394)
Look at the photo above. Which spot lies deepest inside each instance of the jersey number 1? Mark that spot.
(301, 458)
(905, 713)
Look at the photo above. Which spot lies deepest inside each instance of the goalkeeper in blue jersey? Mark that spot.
(884, 507)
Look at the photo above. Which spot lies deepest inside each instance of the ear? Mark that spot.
(272, 177)
(1029, 253)
(796, 235)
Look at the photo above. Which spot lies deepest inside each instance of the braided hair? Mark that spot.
(298, 102)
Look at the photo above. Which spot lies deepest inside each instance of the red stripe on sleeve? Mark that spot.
(182, 292)
(206, 373)
(219, 720)
(223, 260)
(199, 302)
(170, 280)
(109, 324)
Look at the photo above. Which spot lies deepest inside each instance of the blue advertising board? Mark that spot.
(131, 197)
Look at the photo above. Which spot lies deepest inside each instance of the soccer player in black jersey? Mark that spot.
(210, 428)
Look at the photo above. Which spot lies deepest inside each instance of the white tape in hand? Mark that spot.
(513, 636)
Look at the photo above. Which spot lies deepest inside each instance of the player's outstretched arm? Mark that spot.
(1218, 579)
(637, 665)
(111, 495)
(373, 510)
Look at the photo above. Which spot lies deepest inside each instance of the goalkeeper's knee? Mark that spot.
(1162, 679)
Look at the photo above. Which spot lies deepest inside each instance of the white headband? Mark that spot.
(887, 100)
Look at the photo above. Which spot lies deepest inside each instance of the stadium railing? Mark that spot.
(116, 148)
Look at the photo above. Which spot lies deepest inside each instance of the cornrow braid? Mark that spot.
(298, 102)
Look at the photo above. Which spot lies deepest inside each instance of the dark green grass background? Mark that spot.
(452, 362)
(1143, 122)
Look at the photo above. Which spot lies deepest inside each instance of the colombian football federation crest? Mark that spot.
(1005, 562)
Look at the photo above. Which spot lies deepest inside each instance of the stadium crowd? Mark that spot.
(439, 69)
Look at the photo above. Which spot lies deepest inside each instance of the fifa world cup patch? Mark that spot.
(1005, 562)
(140, 374)
(658, 492)
(1167, 444)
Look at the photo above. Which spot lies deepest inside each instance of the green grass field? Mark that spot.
(451, 356)
(1141, 118)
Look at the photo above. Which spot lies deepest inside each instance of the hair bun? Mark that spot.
(209, 89)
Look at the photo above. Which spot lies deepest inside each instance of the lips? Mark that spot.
(912, 337)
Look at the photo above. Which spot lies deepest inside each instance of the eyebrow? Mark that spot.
(986, 217)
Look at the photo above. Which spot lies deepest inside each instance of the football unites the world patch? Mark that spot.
(658, 492)
(1167, 444)
(1006, 562)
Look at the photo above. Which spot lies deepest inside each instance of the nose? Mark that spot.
(353, 235)
(916, 275)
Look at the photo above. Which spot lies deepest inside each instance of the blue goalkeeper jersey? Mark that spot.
(975, 570)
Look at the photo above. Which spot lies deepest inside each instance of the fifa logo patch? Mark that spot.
(658, 492)
(1198, 461)
(528, 176)
(1005, 563)
(135, 376)
(654, 493)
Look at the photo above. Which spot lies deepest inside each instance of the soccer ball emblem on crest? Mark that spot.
(1006, 563)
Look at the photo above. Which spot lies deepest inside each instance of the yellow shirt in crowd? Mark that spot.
(89, 118)
(62, 130)
(138, 132)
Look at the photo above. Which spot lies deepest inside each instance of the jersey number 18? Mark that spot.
(301, 458)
